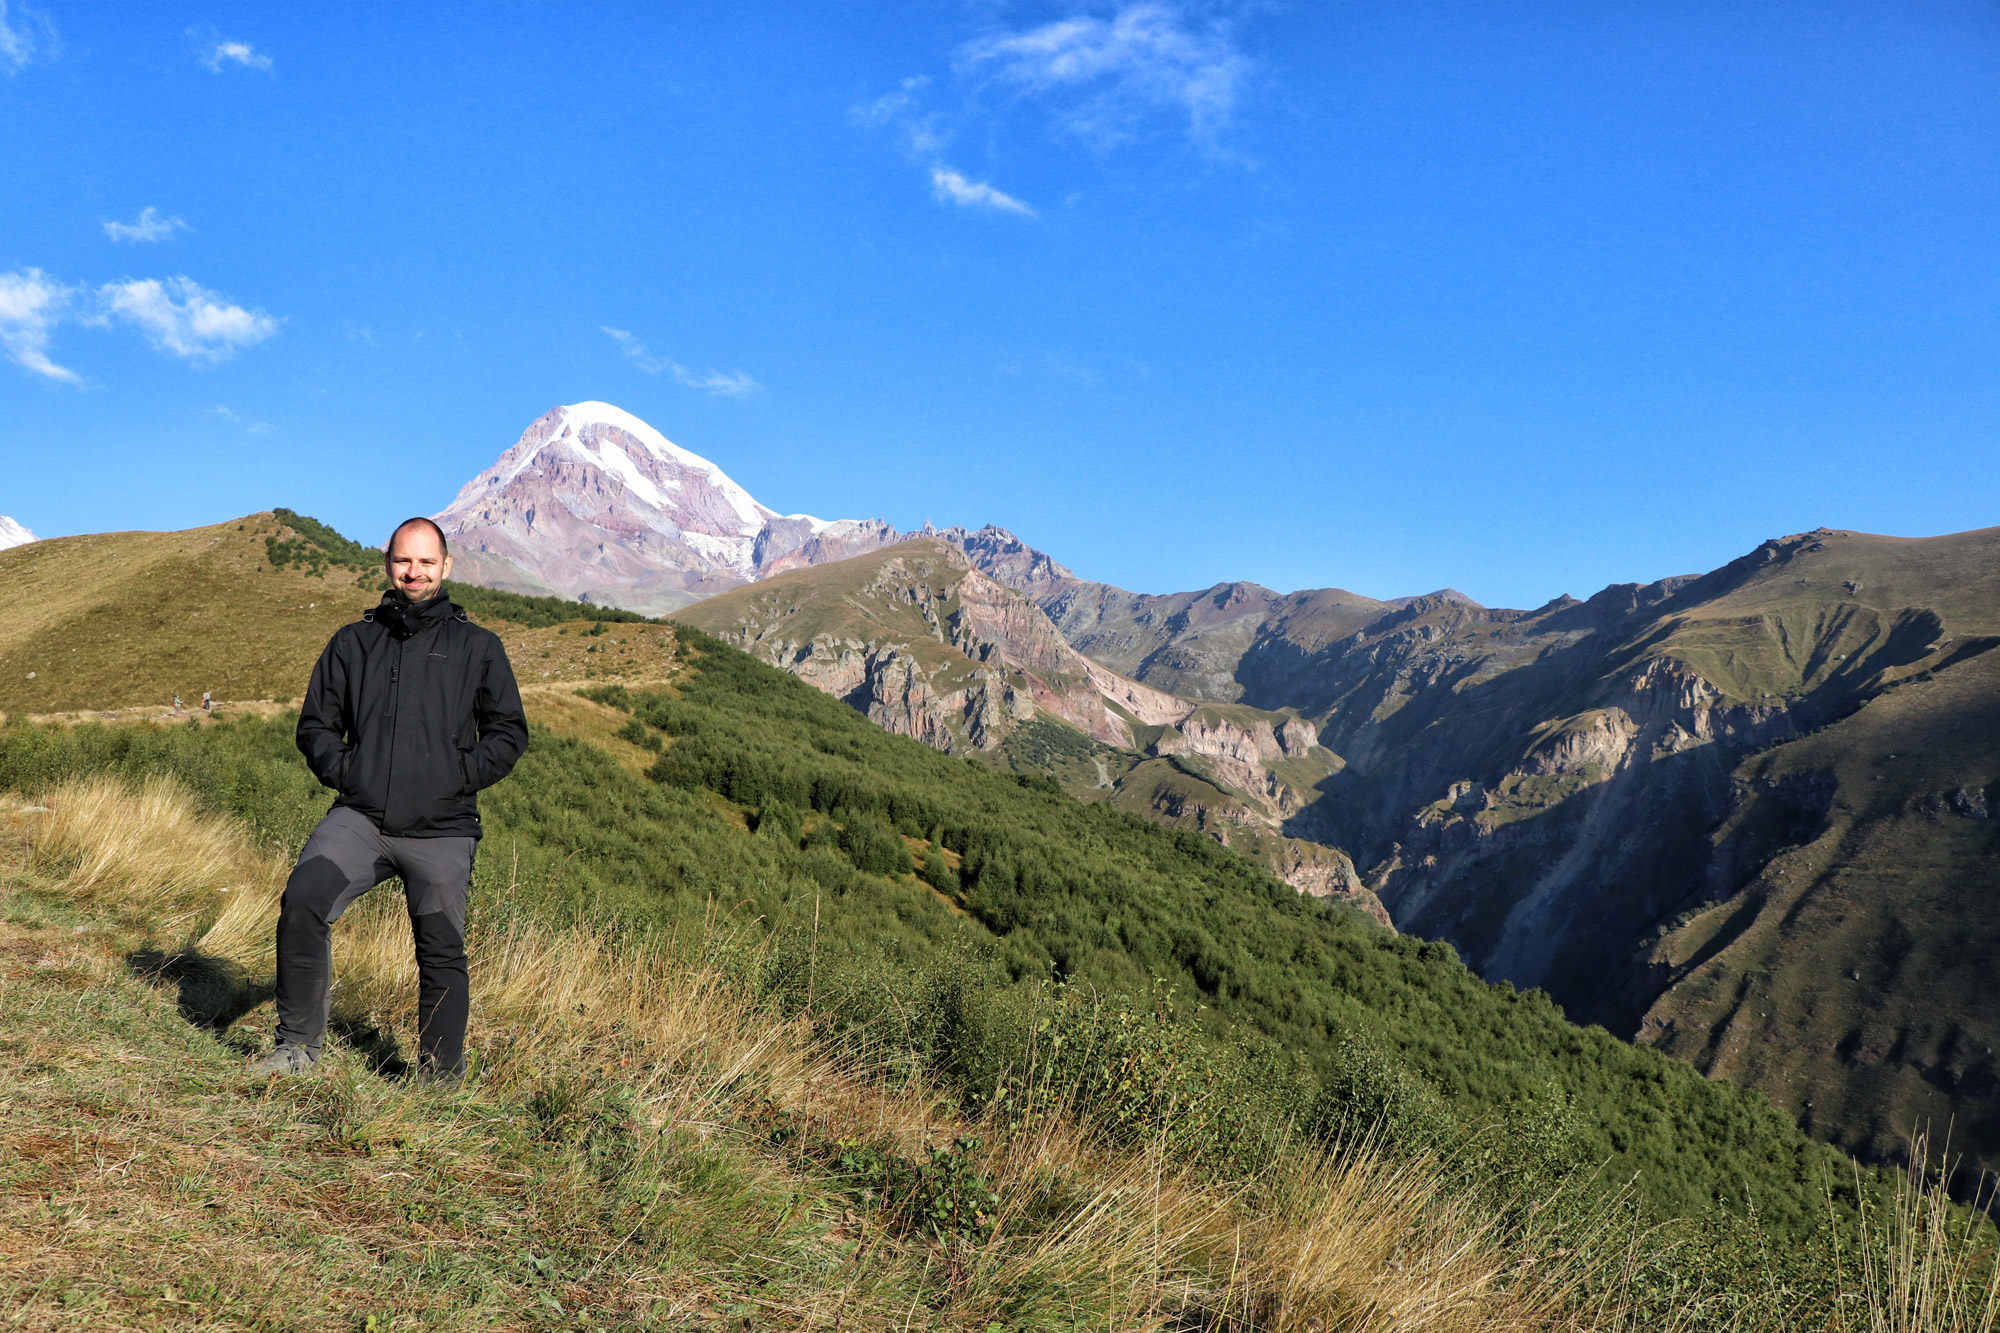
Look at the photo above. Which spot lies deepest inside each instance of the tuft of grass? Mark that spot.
(1921, 1265)
(147, 853)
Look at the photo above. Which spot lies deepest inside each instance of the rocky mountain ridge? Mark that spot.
(1673, 805)
(927, 645)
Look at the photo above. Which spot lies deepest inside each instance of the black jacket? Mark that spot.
(411, 711)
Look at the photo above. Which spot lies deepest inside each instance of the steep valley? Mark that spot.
(1670, 805)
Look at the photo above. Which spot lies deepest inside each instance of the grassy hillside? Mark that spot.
(122, 618)
(643, 1145)
(946, 894)
(241, 610)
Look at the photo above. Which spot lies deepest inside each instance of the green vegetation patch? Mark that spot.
(772, 807)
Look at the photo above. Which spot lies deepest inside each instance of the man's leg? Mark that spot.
(345, 857)
(437, 873)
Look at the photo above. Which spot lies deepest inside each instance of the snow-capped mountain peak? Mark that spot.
(594, 501)
(582, 430)
(13, 534)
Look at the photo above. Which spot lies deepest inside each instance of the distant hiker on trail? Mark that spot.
(411, 710)
(207, 702)
(177, 703)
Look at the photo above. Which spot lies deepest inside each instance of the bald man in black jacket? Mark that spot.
(410, 712)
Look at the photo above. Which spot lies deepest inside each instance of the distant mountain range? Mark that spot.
(1746, 816)
(928, 644)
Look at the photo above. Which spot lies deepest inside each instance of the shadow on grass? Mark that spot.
(212, 993)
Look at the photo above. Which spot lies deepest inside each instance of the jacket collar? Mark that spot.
(406, 621)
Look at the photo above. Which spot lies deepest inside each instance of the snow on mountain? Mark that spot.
(593, 502)
(13, 534)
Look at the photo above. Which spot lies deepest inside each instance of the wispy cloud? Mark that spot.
(950, 186)
(24, 34)
(905, 112)
(148, 226)
(1151, 68)
(180, 316)
(236, 418)
(216, 54)
(925, 137)
(734, 385)
(31, 305)
(1110, 77)
(177, 315)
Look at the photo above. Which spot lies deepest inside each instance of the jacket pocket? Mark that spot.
(466, 787)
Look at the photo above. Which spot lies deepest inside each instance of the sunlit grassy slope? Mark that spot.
(644, 1145)
(1314, 1013)
(933, 919)
(118, 619)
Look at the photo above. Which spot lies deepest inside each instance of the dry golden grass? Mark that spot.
(145, 852)
(1346, 1242)
(120, 618)
(1915, 1264)
(1119, 1239)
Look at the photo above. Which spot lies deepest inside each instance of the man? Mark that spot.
(410, 712)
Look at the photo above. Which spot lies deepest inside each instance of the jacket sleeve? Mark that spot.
(503, 727)
(322, 733)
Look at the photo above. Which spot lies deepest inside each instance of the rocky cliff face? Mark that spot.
(592, 502)
(1515, 868)
(931, 647)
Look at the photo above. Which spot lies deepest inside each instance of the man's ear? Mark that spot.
(444, 572)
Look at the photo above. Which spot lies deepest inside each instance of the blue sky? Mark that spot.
(1523, 298)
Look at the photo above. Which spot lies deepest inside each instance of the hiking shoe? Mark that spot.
(285, 1060)
(442, 1076)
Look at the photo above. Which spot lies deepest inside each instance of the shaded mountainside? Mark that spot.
(930, 647)
(1670, 804)
(1842, 953)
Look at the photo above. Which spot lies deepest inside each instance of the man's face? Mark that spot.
(417, 562)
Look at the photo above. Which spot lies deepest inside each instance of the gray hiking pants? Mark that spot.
(345, 857)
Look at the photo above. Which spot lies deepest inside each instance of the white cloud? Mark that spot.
(24, 34)
(234, 53)
(148, 226)
(714, 381)
(920, 130)
(924, 138)
(31, 305)
(236, 418)
(179, 315)
(1114, 74)
(950, 186)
